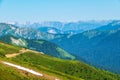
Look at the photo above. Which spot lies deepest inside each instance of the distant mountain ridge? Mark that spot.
(28, 33)
(98, 47)
(65, 27)
(111, 26)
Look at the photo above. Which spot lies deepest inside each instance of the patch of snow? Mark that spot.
(23, 68)
(52, 31)
(12, 27)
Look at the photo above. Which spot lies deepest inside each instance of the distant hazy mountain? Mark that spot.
(112, 26)
(25, 32)
(51, 30)
(65, 28)
(99, 47)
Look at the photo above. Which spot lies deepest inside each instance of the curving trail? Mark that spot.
(22, 51)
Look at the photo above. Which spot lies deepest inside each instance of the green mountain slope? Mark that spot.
(49, 49)
(99, 47)
(63, 69)
(38, 45)
(8, 49)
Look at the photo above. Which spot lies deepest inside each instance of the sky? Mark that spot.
(58, 10)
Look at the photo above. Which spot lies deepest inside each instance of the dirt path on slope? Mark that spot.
(22, 51)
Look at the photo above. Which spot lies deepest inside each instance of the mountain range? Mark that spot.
(97, 45)
(27, 33)
(57, 27)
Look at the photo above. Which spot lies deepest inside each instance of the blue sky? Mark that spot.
(58, 10)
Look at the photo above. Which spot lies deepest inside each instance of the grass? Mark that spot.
(70, 70)
(9, 73)
(8, 49)
(65, 54)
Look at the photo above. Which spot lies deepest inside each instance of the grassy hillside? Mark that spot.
(38, 45)
(8, 73)
(98, 48)
(69, 69)
(8, 49)
(49, 49)
(63, 69)
(11, 72)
